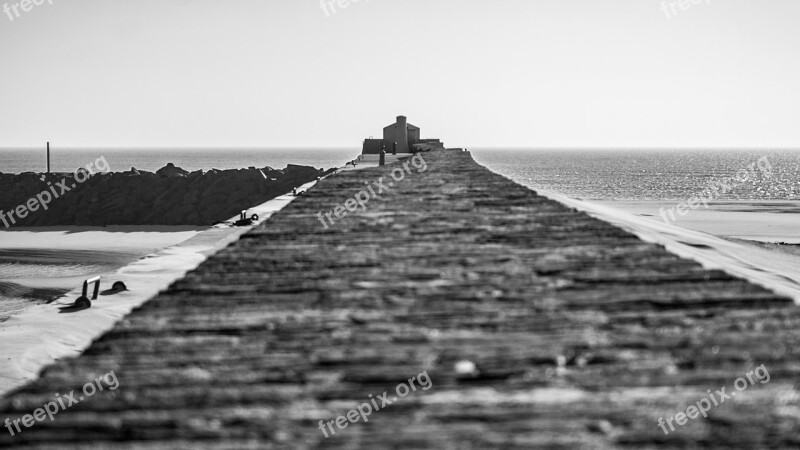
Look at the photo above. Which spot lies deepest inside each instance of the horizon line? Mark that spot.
(340, 147)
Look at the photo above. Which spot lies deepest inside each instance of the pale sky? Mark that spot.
(499, 73)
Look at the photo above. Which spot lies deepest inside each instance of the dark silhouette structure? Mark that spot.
(401, 136)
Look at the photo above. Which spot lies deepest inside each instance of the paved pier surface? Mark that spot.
(538, 326)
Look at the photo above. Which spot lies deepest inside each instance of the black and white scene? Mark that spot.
(399, 224)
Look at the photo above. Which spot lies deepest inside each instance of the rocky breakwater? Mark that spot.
(171, 196)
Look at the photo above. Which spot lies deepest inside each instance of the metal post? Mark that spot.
(86, 283)
(48, 156)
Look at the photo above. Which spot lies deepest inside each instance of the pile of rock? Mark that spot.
(171, 196)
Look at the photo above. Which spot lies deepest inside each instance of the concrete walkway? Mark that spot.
(42, 334)
(535, 325)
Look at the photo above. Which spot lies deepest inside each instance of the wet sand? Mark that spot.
(37, 265)
(787, 249)
(762, 221)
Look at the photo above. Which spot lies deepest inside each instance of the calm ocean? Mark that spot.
(610, 175)
(588, 174)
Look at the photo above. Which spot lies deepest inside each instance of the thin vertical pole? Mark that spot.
(48, 156)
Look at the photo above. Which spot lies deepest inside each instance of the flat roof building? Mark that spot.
(401, 132)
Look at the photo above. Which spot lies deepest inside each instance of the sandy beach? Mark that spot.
(38, 265)
(761, 221)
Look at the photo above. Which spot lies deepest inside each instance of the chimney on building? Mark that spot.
(401, 135)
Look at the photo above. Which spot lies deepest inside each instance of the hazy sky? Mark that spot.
(523, 73)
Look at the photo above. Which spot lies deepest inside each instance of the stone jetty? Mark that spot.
(537, 325)
(171, 196)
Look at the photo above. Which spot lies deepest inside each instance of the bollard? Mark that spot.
(245, 221)
(382, 160)
(83, 301)
(96, 281)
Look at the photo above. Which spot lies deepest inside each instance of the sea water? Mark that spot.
(612, 175)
